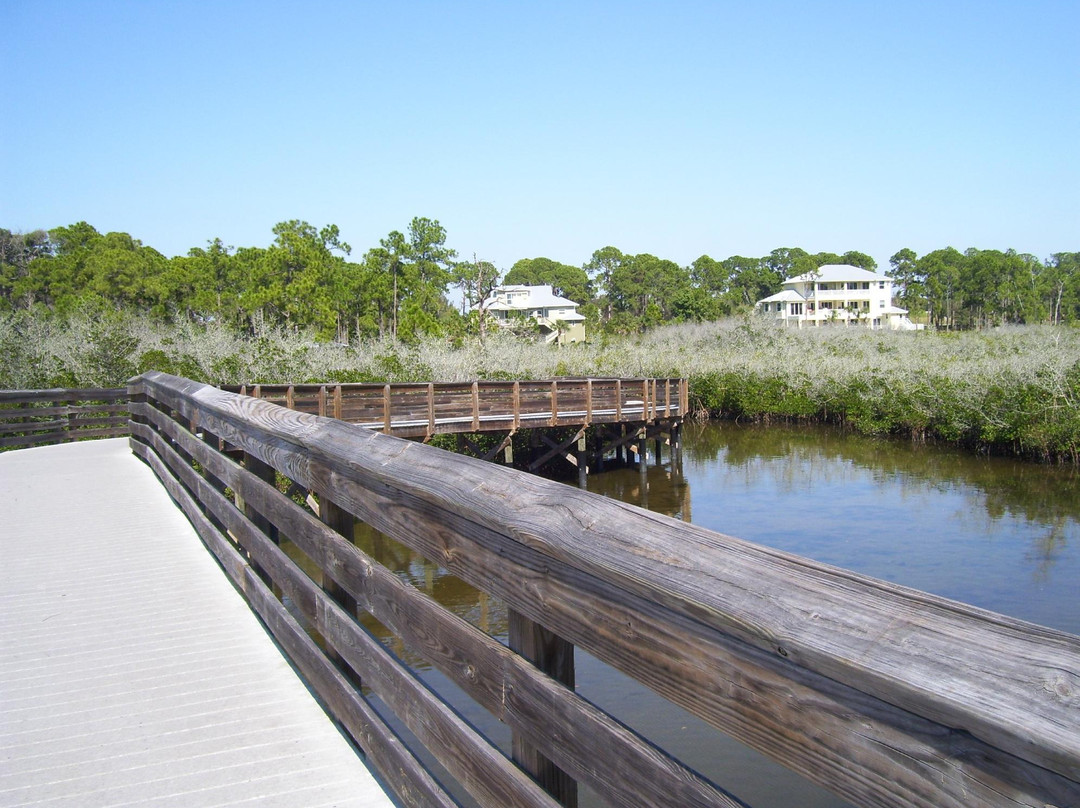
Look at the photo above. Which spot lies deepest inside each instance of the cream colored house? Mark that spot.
(558, 317)
(836, 294)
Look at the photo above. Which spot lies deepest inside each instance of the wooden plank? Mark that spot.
(409, 779)
(431, 409)
(67, 409)
(32, 426)
(786, 620)
(818, 726)
(481, 768)
(64, 436)
(13, 397)
(585, 741)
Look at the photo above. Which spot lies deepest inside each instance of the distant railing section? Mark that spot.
(43, 417)
(424, 409)
(885, 695)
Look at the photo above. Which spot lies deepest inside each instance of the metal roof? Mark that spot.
(838, 273)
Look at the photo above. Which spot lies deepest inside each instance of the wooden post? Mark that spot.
(322, 401)
(618, 403)
(555, 657)
(476, 406)
(290, 398)
(676, 444)
(517, 405)
(431, 409)
(266, 473)
(337, 401)
(554, 403)
(387, 422)
(582, 462)
(588, 402)
(69, 429)
(341, 521)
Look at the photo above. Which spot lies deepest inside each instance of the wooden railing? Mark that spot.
(42, 417)
(418, 409)
(885, 695)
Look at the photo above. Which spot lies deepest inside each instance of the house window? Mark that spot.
(796, 308)
(881, 285)
(881, 304)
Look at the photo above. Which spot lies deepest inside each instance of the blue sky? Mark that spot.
(549, 129)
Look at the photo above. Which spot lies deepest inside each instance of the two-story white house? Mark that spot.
(836, 293)
(558, 317)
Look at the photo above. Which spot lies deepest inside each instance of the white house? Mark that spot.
(558, 317)
(836, 293)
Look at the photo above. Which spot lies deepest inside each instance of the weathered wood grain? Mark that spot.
(931, 702)
(46, 417)
(409, 779)
(424, 409)
(586, 742)
(11, 397)
(482, 769)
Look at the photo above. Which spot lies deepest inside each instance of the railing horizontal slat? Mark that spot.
(392, 758)
(828, 671)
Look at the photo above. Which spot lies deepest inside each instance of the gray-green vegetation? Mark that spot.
(1012, 389)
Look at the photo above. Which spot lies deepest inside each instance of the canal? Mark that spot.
(992, 532)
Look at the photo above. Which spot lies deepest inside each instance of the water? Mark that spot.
(991, 532)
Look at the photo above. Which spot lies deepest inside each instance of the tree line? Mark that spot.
(306, 280)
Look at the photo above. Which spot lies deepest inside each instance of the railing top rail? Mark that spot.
(380, 385)
(1013, 685)
(423, 385)
(63, 394)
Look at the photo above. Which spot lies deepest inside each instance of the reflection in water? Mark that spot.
(992, 532)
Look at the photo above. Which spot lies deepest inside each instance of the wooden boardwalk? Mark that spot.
(131, 671)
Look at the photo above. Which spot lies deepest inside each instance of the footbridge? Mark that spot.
(882, 694)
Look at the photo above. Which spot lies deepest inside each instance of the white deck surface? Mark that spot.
(131, 671)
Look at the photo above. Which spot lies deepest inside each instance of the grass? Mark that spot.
(1013, 390)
